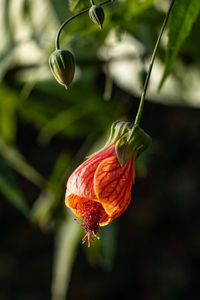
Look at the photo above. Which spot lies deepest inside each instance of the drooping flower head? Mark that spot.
(99, 190)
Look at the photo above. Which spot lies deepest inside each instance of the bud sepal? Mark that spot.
(132, 143)
(129, 140)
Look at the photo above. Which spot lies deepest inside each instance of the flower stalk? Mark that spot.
(57, 43)
(142, 99)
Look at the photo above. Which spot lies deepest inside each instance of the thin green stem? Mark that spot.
(141, 105)
(69, 20)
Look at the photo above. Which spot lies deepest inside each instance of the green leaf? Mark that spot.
(60, 9)
(135, 7)
(78, 5)
(60, 122)
(183, 15)
(9, 189)
(17, 162)
(43, 208)
(48, 200)
(66, 244)
(109, 244)
(8, 106)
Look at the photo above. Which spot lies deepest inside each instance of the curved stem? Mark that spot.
(70, 19)
(141, 105)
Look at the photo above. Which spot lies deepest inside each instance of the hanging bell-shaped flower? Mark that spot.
(96, 14)
(62, 66)
(99, 190)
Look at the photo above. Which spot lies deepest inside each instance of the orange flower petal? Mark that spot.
(81, 181)
(76, 203)
(112, 185)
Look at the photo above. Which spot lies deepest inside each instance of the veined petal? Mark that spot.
(112, 185)
(80, 182)
(121, 209)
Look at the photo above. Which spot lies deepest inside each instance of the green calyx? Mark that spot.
(129, 139)
(62, 66)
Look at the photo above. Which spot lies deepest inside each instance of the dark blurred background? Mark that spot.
(153, 250)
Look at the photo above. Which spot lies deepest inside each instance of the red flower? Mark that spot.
(99, 190)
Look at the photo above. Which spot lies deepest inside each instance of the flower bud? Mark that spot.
(62, 66)
(96, 14)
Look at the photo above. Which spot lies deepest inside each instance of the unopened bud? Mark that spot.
(96, 14)
(62, 66)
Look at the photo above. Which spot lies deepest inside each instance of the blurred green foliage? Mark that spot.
(46, 131)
